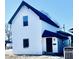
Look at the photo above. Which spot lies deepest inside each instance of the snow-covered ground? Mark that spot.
(10, 55)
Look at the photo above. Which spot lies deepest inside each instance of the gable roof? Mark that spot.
(40, 14)
(47, 33)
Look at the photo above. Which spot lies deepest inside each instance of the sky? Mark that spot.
(59, 10)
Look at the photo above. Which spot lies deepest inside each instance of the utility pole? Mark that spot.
(64, 27)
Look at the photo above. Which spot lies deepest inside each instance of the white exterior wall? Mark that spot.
(54, 47)
(31, 32)
(46, 26)
(44, 44)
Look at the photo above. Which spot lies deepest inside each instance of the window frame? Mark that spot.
(25, 20)
(25, 43)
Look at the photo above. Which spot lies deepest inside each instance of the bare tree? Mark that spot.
(7, 34)
(7, 31)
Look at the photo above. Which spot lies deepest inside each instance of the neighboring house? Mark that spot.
(35, 33)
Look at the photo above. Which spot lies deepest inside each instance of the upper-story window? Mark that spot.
(25, 20)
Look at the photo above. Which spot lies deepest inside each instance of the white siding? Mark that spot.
(54, 47)
(46, 26)
(32, 32)
(44, 44)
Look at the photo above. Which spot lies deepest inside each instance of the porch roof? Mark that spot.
(47, 33)
(64, 33)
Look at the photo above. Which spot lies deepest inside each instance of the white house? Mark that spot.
(35, 33)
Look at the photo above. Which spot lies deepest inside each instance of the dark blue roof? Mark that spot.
(52, 34)
(64, 33)
(40, 14)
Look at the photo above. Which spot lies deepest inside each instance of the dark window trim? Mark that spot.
(25, 21)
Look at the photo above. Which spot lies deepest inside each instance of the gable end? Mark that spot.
(42, 16)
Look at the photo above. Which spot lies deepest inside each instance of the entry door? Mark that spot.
(49, 44)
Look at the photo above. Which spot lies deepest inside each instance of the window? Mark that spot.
(25, 20)
(25, 43)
